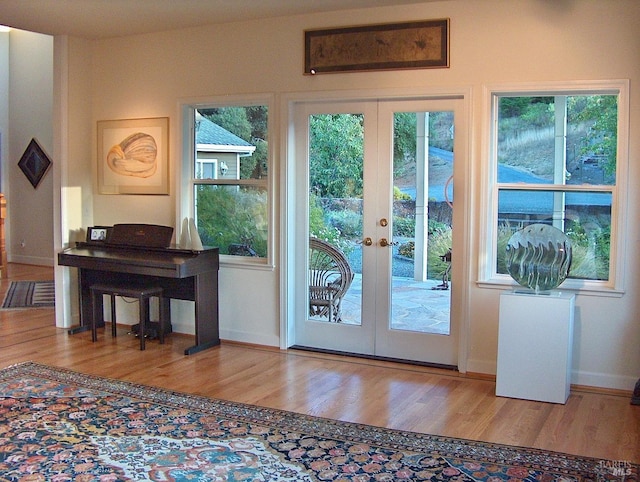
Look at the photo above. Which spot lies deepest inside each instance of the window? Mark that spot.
(556, 158)
(206, 168)
(229, 178)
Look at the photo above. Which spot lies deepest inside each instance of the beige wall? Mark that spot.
(30, 211)
(4, 105)
(492, 41)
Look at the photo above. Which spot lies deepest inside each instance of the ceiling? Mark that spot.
(94, 19)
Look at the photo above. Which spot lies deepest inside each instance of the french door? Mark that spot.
(375, 183)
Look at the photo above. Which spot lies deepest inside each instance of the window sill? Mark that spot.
(583, 288)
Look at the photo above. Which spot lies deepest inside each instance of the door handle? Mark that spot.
(384, 243)
(367, 241)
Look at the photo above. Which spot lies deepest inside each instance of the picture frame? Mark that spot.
(34, 163)
(408, 45)
(133, 156)
(98, 234)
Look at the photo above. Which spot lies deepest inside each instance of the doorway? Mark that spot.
(375, 185)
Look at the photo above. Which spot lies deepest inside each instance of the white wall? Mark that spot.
(492, 41)
(4, 105)
(73, 173)
(29, 211)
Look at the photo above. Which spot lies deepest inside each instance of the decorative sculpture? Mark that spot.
(539, 257)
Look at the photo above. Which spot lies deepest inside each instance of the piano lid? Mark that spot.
(140, 235)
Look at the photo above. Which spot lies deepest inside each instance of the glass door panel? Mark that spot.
(334, 311)
(336, 181)
(422, 218)
(416, 288)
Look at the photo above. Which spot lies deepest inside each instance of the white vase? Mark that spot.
(196, 243)
(185, 238)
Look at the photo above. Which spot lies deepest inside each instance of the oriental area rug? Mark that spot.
(29, 294)
(59, 425)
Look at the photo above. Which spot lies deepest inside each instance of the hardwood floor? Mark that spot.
(600, 425)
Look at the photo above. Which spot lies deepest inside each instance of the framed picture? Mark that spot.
(133, 156)
(98, 234)
(409, 45)
(34, 163)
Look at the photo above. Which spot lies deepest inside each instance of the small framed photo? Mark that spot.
(98, 234)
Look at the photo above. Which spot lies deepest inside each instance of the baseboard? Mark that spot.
(601, 391)
(580, 380)
(32, 260)
(603, 381)
(482, 367)
(250, 338)
(188, 328)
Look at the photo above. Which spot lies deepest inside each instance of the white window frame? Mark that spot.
(213, 162)
(488, 225)
(187, 180)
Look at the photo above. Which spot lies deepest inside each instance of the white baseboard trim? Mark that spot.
(251, 338)
(603, 380)
(183, 328)
(33, 260)
(587, 379)
(482, 366)
(231, 335)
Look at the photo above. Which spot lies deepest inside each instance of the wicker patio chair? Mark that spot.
(330, 276)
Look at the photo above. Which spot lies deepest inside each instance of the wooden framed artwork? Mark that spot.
(133, 156)
(34, 163)
(409, 45)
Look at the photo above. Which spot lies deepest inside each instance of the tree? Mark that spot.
(230, 215)
(602, 139)
(404, 142)
(336, 155)
(249, 123)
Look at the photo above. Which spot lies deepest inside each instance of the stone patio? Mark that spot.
(417, 307)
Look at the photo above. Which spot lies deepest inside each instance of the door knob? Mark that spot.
(384, 223)
(367, 241)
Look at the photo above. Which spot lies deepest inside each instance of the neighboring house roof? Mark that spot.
(211, 137)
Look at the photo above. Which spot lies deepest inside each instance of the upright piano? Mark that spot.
(183, 274)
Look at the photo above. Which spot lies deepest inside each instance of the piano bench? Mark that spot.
(141, 293)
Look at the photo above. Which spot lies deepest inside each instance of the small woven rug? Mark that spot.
(60, 425)
(29, 294)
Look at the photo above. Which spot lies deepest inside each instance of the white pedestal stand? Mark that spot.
(534, 346)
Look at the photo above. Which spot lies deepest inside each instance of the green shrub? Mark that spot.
(398, 195)
(407, 249)
(404, 226)
(439, 245)
(348, 222)
(319, 228)
(590, 249)
(229, 216)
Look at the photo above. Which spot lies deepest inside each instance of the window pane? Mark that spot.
(584, 216)
(206, 168)
(234, 136)
(233, 218)
(557, 139)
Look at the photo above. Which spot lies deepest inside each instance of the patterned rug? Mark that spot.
(29, 294)
(59, 425)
